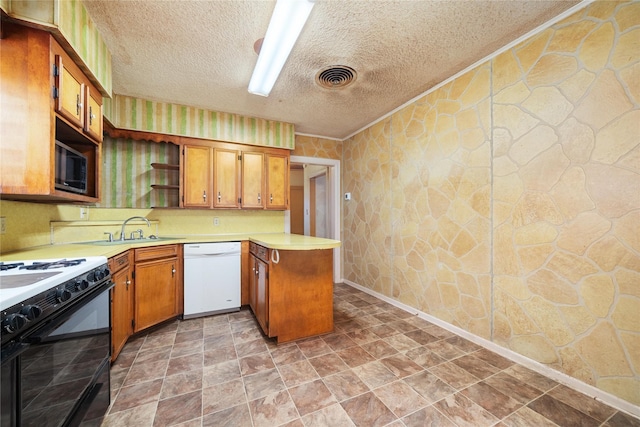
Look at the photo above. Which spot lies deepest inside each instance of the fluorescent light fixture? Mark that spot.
(289, 16)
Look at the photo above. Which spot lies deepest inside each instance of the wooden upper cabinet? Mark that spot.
(226, 178)
(33, 116)
(93, 113)
(224, 175)
(277, 181)
(252, 180)
(70, 92)
(76, 99)
(197, 173)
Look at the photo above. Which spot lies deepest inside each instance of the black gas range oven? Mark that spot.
(56, 335)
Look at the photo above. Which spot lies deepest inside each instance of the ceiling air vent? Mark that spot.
(336, 77)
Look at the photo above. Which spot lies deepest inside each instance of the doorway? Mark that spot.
(315, 201)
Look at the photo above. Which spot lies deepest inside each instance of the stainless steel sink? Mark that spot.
(128, 242)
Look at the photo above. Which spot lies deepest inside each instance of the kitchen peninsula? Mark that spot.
(287, 278)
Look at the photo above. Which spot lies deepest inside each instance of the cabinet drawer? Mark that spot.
(155, 252)
(119, 262)
(259, 251)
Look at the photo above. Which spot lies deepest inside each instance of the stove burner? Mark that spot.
(5, 267)
(55, 264)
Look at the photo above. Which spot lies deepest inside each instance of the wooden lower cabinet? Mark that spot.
(121, 302)
(158, 290)
(259, 287)
(246, 264)
(291, 292)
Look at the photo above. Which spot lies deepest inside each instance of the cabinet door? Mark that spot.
(70, 100)
(252, 180)
(93, 114)
(245, 270)
(253, 282)
(197, 177)
(277, 182)
(262, 294)
(225, 178)
(155, 292)
(121, 311)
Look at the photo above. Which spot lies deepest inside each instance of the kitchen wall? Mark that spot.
(37, 224)
(126, 192)
(312, 146)
(127, 174)
(126, 181)
(125, 112)
(507, 201)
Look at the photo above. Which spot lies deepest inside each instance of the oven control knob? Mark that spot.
(81, 285)
(31, 311)
(13, 322)
(96, 275)
(62, 295)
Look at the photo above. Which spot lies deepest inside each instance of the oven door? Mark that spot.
(62, 374)
(9, 395)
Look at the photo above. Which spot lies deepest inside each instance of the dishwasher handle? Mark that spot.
(213, 254)
(212, 250)
(210, 254)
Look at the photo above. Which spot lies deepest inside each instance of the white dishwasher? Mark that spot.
(211, 278)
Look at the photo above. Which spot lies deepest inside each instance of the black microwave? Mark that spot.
(71, 169)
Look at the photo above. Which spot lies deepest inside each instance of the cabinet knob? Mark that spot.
(259, 197)
(219, 197)
(204, 196)
(271, 198)
(173, 271)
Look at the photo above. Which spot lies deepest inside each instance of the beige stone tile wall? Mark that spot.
(566, 194)
(507, 202)
(310, 146)
(441, 176)
(367, 222)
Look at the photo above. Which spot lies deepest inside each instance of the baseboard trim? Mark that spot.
(574, 383)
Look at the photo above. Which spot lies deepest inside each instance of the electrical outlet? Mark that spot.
(3, 225)
(83, 213)
(216, 221)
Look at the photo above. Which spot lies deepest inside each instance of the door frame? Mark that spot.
(334, 205)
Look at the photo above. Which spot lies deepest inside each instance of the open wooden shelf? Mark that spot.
(165, 187)
(165, 166)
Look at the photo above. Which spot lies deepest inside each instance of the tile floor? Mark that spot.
(380, 367)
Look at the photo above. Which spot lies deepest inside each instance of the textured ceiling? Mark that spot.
(200, 53)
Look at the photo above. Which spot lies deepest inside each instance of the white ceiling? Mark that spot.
(200, 53)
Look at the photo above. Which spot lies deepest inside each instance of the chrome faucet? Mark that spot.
(129, 219)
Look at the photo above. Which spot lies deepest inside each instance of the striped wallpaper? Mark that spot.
(78, 29)
(173, 119)
(127, 174)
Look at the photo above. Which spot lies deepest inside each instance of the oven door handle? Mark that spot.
(39, 335)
